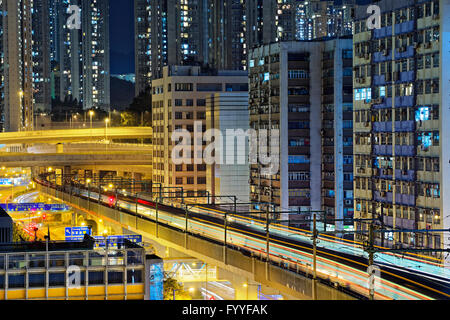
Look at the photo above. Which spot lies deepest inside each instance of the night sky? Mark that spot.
(122, 36)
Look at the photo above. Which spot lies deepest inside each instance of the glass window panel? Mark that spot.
(115, 277)
(57, 260)
(134, 257)
(16, 280)
(76, 259)
(36, 280)
(56, 279)
(16, 262)
(96, 277)
(36, 261)
(96, 259)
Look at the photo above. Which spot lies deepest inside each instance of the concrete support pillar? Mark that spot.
(245, 288)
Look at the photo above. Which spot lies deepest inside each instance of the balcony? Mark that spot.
(407, 151)
(383, 196)
(405, 175)
(405, 199)
(385, 126)
(383, 150)
(404, 126)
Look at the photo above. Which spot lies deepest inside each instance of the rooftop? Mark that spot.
(39, 246)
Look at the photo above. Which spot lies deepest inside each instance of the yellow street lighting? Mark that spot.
(91, 113)
(111, 186)
(21, 93)
(107, 120)
(88, 180)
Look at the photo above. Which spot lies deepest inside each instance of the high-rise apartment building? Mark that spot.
(227, 45)
(95, 48)
(53, 29)
(41, 56)
(16, 65)
(181, 32)
(401, 103)
(179, 103)
(68, 67)
(269, 21)
(80, 58)
(143, 49)
(304, 90)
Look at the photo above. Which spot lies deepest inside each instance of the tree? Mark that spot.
(171, 285)
(139, 112)
(128, 119)
(19, 235)
(143, 102)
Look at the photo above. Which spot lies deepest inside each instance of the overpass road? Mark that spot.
(109, 157)
(74, 135)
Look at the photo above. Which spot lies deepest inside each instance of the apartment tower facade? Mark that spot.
(304, 90)
(179, 103)
(17, 65)
(401, 104)
(142, 45)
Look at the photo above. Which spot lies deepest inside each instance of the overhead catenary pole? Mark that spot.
(225, 227)
(314, 239)
(267, 244)
(370, 250)
(267, 235)
(156, 218)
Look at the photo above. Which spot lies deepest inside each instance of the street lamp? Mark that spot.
(91, 113)
(106, 129)
(246, 285)
(21, 99)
